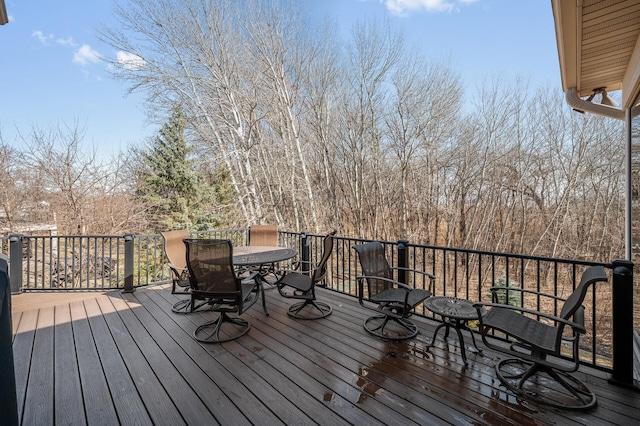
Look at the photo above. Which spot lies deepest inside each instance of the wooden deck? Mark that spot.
(127, 359)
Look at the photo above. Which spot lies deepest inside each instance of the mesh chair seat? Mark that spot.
(523, 328)
(398, 295)
(297, 281)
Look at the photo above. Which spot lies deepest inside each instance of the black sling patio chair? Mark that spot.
(300, 283)
(380, 291)
(542, 348)
(214, 281)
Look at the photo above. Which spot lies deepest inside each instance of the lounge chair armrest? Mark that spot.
(522, 290)
(575, 326)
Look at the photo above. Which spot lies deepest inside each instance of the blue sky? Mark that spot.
(50, 73)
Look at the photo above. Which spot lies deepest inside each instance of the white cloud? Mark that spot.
(403, 7)
(85, 55)
(130, 61)
(67, 41)
(41, 36)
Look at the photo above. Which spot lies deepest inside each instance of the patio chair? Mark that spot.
(393, 300)
(176, 253)
(263, 235)
(300, 283)
(541, 343)
(213, 280)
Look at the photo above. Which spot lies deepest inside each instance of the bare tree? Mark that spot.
(316, 132)
(69, 174)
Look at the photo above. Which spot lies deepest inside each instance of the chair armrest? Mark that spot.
(252, 276)
(296, 266)
(407, 287)
(575, 326)
(398, 268)
(494, 289)
(177, 268)
(178, 271)
(417, 271)
(360, 279)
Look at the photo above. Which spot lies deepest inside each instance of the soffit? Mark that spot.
(3, 13)
(598, 45)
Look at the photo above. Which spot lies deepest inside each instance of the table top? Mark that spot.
(258, 255)
(452, 307)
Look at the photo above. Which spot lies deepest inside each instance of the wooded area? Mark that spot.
(290, 123)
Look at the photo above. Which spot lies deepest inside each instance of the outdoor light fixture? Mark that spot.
(606, 99)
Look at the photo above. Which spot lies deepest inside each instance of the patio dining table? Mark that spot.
(246, 256)
(261, 259)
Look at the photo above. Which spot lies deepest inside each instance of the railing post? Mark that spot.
(8, 400)
(306, 252)
(128, 264)
(622, 311)
(403, 260)
(15, 262)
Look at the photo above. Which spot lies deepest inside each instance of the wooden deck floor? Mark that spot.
(127, 359)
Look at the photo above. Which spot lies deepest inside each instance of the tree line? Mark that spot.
(282, 120)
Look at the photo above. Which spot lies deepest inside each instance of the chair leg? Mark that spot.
(377, 325)
(182, 307)
(324, 310)
(179, 289)
(556, 389)
(209, 332)
(185, 307)
(261, 290)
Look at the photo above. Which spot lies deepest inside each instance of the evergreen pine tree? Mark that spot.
(168, 182)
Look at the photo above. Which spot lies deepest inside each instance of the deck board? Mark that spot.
(40, 391)
(126, 358)
(25, 324)
(182, 403)
(97, 402)
(126, 399)
(68, 391)
(207, 357)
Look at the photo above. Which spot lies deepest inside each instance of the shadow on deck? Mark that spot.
(126, 358)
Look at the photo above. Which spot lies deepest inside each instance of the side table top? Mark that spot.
(452, 307)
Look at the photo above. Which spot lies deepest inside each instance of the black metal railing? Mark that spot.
(126, 262)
